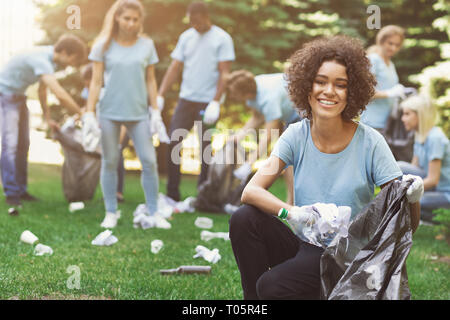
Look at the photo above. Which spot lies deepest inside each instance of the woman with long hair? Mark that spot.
(335, 160)
(389, 41)
(431, 159)
(123, 61)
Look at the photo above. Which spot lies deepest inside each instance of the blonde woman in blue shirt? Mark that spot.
(124, 59)
(389, 41)
(431, 159)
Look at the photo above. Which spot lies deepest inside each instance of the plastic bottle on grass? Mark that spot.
(187, 270)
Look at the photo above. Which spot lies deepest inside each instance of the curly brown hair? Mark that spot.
(347, 51)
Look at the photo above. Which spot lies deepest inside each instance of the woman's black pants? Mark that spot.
(274, 263)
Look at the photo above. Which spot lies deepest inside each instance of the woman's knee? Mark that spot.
(149, 164)
(242, 218)
(268, 286)
(110, 163)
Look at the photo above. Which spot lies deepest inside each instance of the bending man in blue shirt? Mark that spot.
(203, 54)
(267, 96)
(16, 76)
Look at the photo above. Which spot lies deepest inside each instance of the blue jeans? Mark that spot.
(121, 165)
(432, 199)
(15, 144)
(139, 132)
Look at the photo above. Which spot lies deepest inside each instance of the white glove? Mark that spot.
(415, 190)
(90, 132)
(212, 112)
(397, 91)
(243, 171)
(303, 214)
(160, 102)
(157, 126)
(212, 256)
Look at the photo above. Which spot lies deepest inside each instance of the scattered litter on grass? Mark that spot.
(75, 206)
(28, 237)
(212, 256)
(207, 235)
(203, 223)
(187, 205)
(167, 206)
(156, 246)
(145, 221)
(13, 212)
(105, 238)
(187, 270)
(42, 249)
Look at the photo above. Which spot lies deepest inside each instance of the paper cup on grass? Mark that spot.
(28, 237)
(203, 223)
(156, 245)
(75, 206)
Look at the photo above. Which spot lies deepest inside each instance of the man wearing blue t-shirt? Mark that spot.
(203, 55)
(16, 76)
(267, 96)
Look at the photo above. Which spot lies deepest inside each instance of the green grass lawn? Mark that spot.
(128, 270)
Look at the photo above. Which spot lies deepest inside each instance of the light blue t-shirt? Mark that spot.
(272, 98)
(201, 54)
(378, 110)
(25, 69)
(125, 97)
(436, 146)
(347, 178)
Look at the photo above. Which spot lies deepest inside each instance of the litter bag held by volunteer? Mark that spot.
(81, 169)
(369, 264)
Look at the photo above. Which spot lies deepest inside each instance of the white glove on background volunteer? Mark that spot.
(157, 125)
(212, 112)
(243, 171)
(90, 132)
(415, 190)
(212, 256)
(397, 91)
(160, 102)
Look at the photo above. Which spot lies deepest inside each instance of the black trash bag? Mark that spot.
(370, 263)
(400, 141)
(81, 169)
(221, 187)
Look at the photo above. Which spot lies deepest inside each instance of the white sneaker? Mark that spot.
(160, 222)
(110, 220)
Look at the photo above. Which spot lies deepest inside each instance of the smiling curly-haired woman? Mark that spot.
(335, 159)
(347, 52)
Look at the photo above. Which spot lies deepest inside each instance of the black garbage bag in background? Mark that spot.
(400, 141)
(370, 263)
(81, 169)
(221, 186)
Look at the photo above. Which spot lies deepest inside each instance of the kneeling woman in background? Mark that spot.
(431, 159)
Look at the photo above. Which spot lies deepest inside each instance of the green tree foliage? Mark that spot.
(267, 32)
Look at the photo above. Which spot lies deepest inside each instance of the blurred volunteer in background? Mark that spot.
(267, 96)
(203, 55)
(23, 70)
(431, 159)
(124, 58)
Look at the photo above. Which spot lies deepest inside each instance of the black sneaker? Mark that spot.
(28, 197)
(13, 201)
